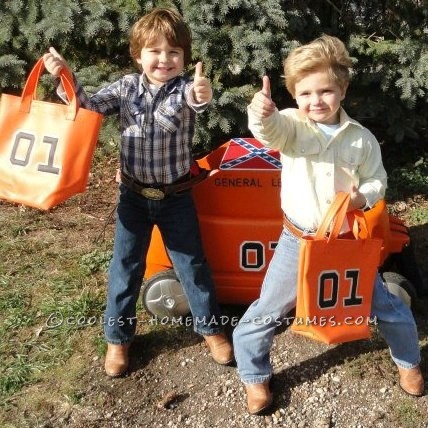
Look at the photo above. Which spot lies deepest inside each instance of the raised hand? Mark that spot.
(266, 87)
(262, 104)
(201, 86)
(54, 62)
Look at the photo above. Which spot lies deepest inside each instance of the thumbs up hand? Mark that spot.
(262, 104)
(266, 87)
(201, 86)
(54, 62)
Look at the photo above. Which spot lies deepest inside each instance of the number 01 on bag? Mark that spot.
(46, 149)
(336, 278)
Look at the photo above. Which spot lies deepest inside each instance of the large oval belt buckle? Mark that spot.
(151, 193)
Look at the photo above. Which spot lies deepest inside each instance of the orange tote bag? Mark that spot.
(46, 149)
(336, 279)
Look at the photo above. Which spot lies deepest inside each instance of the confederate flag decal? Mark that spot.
(249, 153)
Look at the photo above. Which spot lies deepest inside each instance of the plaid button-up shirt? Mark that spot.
(156, 130)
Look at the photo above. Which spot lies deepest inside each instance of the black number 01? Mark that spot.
(333, 278)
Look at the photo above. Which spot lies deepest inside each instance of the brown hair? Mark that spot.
(324, 53)
(161, 22)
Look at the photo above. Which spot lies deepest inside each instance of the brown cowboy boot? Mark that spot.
(412, 381)
(116, 361)
(220, 347)
(259, 397)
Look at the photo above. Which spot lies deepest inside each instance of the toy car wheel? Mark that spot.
(400, 286)
(163, 296)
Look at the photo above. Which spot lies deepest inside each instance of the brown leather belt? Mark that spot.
(158, 192)
(299, 232)
(292, 228)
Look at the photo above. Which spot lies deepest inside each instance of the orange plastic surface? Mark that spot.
(241, 219)
(387, 227)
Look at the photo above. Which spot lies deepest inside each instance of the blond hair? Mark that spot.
(161, 22)
(326, 53)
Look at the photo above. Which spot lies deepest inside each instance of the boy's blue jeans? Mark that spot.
(177, 221)
(254, 334)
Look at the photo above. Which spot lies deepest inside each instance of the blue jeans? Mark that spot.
(254, 334)
(177, 221)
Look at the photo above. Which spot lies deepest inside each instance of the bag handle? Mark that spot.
(360, 224)
(30, 88)
(336, 214)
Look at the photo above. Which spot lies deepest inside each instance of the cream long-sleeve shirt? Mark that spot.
(315, 167)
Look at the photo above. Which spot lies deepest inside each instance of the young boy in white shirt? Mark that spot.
(323, 151)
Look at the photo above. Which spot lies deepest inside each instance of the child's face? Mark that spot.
(160, 61)
(318, 97)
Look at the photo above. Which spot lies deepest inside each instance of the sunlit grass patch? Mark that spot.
(406, 413)
(419, 215)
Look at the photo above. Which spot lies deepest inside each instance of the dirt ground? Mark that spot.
(172, 381)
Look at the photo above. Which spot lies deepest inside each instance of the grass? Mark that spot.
(51, 288)
(419, 216)
(407, 415)
(410, 178)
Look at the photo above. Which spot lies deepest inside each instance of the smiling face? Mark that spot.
(160, 61)
(318, 97)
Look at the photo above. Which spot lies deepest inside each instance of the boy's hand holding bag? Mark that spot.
(46, 148)
(336, 279)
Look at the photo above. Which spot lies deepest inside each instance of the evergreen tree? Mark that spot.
(238, 42)
(92, 36)
(388, 40)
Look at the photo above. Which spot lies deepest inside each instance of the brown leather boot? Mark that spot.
(220, 347)
(412, 381)
(116, 362)
(259, 397)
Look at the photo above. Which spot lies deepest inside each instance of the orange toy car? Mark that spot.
(241, 219)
